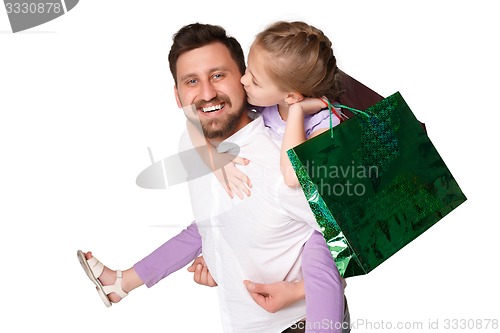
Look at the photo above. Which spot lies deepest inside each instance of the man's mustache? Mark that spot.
(214, 101)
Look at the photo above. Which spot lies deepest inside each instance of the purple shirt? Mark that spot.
(312, 122)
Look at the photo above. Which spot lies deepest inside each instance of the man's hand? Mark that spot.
(272, 297)
(276, 296)
(201, 273)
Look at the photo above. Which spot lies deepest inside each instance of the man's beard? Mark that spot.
(224, 126)
(213, 129)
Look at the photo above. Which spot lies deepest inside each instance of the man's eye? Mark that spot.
(218, 76)
(191, 81)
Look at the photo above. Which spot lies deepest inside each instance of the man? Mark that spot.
(259, 238)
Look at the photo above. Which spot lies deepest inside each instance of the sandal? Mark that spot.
(94, 269)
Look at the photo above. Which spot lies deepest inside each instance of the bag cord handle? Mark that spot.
(332, 110)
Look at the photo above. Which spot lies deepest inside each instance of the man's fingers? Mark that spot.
(258, 298)
(206, 278)
(211, 281)
(261, 294)
(199, 260)
(263, 301)
(202, 276)
(256, 287)
(192, 268)
(197, 274)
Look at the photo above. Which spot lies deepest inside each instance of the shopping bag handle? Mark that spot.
(338, 105)
(355, 111)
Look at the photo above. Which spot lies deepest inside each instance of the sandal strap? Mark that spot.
(117, 286)
(95, 266)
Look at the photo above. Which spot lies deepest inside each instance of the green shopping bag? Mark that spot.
(374, 183)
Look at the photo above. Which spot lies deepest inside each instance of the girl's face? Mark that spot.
(260, 89)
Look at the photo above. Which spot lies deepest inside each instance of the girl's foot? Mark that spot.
(108, 278)
(108, 283)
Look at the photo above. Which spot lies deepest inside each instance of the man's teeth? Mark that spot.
(212, 108)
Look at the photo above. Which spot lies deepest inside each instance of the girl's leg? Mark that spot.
(168, 258)
(324, 287)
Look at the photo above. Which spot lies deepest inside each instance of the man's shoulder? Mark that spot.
(262, 139)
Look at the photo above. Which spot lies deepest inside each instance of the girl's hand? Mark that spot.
(222, 165)
(309, 105)
(233, 180)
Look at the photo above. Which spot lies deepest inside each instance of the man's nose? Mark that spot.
(208, 91)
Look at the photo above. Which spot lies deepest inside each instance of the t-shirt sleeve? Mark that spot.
(319, 120)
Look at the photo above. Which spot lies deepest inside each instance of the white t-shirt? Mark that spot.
(259, 238)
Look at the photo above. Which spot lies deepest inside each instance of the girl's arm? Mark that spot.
(222, 165)
(295, 134)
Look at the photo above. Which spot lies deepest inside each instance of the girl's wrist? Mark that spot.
(296, 107)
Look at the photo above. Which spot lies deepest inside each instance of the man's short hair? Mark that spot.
(197, 35)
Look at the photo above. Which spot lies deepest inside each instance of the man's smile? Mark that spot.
(213, 108)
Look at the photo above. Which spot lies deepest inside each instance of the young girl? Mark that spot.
(289, 63)
(290, 66)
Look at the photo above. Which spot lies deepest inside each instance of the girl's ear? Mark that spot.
(176, 93)
(293, 97)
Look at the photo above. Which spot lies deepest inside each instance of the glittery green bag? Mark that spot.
(375, 183)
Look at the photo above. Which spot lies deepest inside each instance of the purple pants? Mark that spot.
(323, 285)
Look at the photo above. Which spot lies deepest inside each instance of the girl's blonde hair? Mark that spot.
(301, 59)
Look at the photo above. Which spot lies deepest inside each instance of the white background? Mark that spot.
(83, 96)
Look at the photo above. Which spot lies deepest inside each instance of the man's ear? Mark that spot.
(176, 93)
(293, 97)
